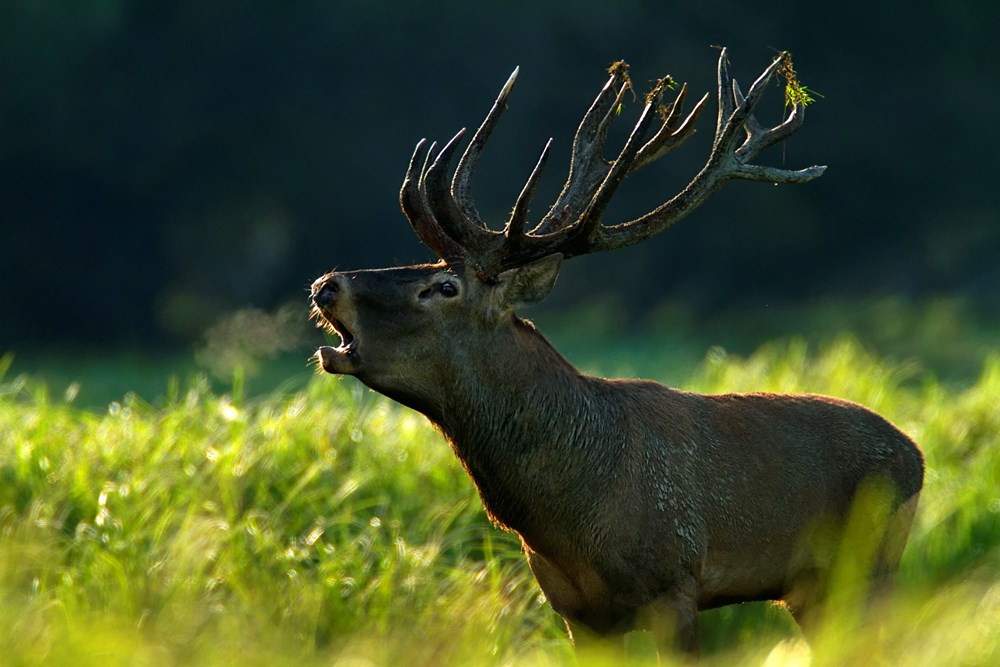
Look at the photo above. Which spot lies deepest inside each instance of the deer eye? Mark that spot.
(448, 289)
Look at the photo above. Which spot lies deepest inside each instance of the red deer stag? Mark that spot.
(637, 505)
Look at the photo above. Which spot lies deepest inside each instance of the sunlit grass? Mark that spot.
(330, 524)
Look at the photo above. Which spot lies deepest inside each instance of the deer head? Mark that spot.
(403, 331)
(396, 325)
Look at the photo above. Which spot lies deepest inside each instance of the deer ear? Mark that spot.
(530, 283)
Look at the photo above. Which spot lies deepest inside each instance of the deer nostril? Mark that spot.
(327, 294)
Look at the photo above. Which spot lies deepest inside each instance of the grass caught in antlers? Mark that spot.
(795, 92)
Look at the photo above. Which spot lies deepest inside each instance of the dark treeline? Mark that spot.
(165, 162)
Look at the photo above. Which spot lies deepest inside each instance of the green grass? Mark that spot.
(324, 523)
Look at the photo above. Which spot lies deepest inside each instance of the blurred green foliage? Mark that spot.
(946, 337)
(163, 163)
(327, 523)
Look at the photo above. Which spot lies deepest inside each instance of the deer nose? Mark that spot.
(327, 293)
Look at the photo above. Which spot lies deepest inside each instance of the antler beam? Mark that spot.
(446, 219)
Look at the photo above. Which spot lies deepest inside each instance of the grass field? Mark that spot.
(323, 524)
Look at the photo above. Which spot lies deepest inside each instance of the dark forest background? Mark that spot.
(163, 163)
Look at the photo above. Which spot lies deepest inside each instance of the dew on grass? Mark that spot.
(228, 411)
(314, 535)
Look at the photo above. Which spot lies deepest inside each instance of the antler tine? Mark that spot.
(409, 194)
(443, 205)
(751, 124)
(759, 137)
(417, 210)
(620, 168)
(519, 215)
(725, 92)
(410, 197)
(593, 129)
(428, 159)
(461, 184)
(728, 127)
(676, 107)
(667, 138)
(588, 167)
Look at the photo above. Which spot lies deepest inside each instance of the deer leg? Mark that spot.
(887, 560)
(804, 598)
(806, 613)
(891, 552)
(673, 620)
(807, 596)
(600, 648)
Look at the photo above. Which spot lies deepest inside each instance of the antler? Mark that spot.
(446, 219)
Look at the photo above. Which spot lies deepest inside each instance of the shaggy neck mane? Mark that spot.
(523, 423)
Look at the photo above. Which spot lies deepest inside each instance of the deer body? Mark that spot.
(635, 502)
(628, 494)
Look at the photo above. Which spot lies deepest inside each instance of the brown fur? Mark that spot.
(635, 502)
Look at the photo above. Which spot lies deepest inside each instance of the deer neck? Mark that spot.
(507, 397)
(517, 419)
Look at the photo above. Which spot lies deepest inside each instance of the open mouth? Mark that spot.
(347, 339)
(344, 357)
